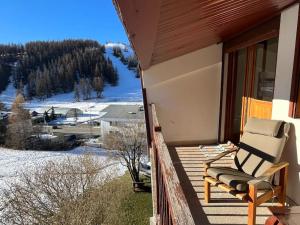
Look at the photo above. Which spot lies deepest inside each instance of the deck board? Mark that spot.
(224, 208)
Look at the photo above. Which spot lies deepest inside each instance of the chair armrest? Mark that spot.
(268, 173)
(219, 156)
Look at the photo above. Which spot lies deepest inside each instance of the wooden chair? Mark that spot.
(255, 163)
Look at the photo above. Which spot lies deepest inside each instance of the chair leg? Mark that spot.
(251, 213)
(252, 205)
(206, 191)
(283, 179)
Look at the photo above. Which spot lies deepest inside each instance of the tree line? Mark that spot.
(43, 68)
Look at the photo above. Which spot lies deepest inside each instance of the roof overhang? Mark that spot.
(160, 30)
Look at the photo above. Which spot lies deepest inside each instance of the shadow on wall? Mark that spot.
(290, 155)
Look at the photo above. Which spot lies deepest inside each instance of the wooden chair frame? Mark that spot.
(251, 195)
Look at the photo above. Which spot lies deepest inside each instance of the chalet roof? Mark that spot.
(160, 30)
(123, 112)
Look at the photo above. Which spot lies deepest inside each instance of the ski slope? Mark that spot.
(129, 88)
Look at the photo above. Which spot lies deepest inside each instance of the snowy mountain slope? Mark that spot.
(8, 95)
(129, 87)
(128, 90)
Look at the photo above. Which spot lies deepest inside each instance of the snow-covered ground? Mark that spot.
(13, 162)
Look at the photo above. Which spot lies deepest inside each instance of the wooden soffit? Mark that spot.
(160, 30)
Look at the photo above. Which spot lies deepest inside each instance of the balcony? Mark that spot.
(179, 188)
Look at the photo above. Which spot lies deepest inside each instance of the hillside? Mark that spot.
(128, 88)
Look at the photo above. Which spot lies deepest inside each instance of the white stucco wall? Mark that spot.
(105, 128)
(186, 91)
(284, 71)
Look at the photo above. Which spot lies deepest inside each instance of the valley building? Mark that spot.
(65, 112)
(116, 117)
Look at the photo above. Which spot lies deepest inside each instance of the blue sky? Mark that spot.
(29, 20)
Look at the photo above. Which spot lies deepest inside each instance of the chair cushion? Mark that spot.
(231, 177)
(263, 126)
(257, 153)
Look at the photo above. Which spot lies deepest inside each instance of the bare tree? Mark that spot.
(85, 88)
(98, 86)
(68, 192)
(129, 142)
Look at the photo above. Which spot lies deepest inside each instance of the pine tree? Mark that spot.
(89, 88)
(20, 88)
(114, 76)
(52, 115)
(117, 52)
(123, 60)
(2, 126)
(76, 92)
(82, 87)
(47, 68)
(20, 126)
(2, 106)
(46, 116)
(98, 86)
(97, 72)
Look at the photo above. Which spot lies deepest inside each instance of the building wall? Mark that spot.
(117, 125)
(105, 127)
(186, 92)
(284, 70)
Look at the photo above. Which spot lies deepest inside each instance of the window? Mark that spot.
(251, 71)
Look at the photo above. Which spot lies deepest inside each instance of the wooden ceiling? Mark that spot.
(160, 30)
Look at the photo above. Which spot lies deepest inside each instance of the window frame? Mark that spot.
(294, 107)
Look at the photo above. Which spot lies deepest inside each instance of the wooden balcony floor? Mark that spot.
(224, 208)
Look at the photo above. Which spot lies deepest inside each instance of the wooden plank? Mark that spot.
(240, 195)
(265, 31)
(155, 119)
(206, 191)
(153, 181)
(260, 109)
(268, 195)
(252, 205)
(283, 179)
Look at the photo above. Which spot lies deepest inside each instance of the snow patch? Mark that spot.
(13, 162)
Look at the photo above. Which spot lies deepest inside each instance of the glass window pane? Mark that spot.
(265, 70)
(240, 77)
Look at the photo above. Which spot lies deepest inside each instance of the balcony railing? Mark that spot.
(170, 204)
